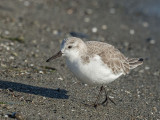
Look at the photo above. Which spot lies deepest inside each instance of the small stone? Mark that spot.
(156, 73)
(7, 48)
(104, 27)
(11, 58)
(154, 109)
(20, 24)
(25, 61)
(15, 54)
(70, 11)
(132, 32)
(22, 73)
(26, 3)
(128, 92)
(111, 97)
(34, 41)
(152, 41)
(6, 116)
(89, 11)
(44, 98)
(31, 65)
(48, 29)
(6, 32)
(152, 113)
(141, 71)
(126, 44)
(112, 11)
(60, 78)
(138, 96)
(94, 29)
(145, 24)
(124, 27)
(55, 32)
(41, 72)
(87, 19)
(147, 67)
(3, 65)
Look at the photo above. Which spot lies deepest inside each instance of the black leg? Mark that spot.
(107, 98)
(100, 92)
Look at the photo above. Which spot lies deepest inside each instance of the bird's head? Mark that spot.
(71, 48)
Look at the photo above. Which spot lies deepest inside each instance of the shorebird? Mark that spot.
(94, 62)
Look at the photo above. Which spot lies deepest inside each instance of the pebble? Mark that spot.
(55, 32)
(15, 54)
(124, 27)
(111, 97)
(128, 92)
(94, 29)
(7, 48)
(154, 109)
(6, 32)
(147, 67)
(112, 11)
(26, 3)
(141, 71)
(44, 98)
(41, 72)
(11, 58)
(34, 41)
(89, 11)
(152, 113)
(145, 24)
(156, 73)
(48, 29)
(101, 38)
(60, 78)
(132, 32)
(69, 11)
(104, 27)
(3, 65)
(126, 44)
(6, 116)
(152, 42)
(86, 19)
(31, 65)
(20, 24)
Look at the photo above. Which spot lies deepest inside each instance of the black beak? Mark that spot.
(59, 54)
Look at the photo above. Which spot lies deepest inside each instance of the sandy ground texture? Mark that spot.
(31, 32)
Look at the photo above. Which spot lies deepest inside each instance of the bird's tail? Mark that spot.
(134, 62)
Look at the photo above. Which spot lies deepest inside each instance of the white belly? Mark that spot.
(94, 72)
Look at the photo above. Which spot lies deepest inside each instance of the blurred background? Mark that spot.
(31, 31)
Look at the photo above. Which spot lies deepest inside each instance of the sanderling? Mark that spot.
(94, 62)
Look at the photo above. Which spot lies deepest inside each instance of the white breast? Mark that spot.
(94, 72)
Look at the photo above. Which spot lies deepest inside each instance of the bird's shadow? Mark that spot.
(45, 92)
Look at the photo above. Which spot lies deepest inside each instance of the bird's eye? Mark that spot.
(69, 47)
